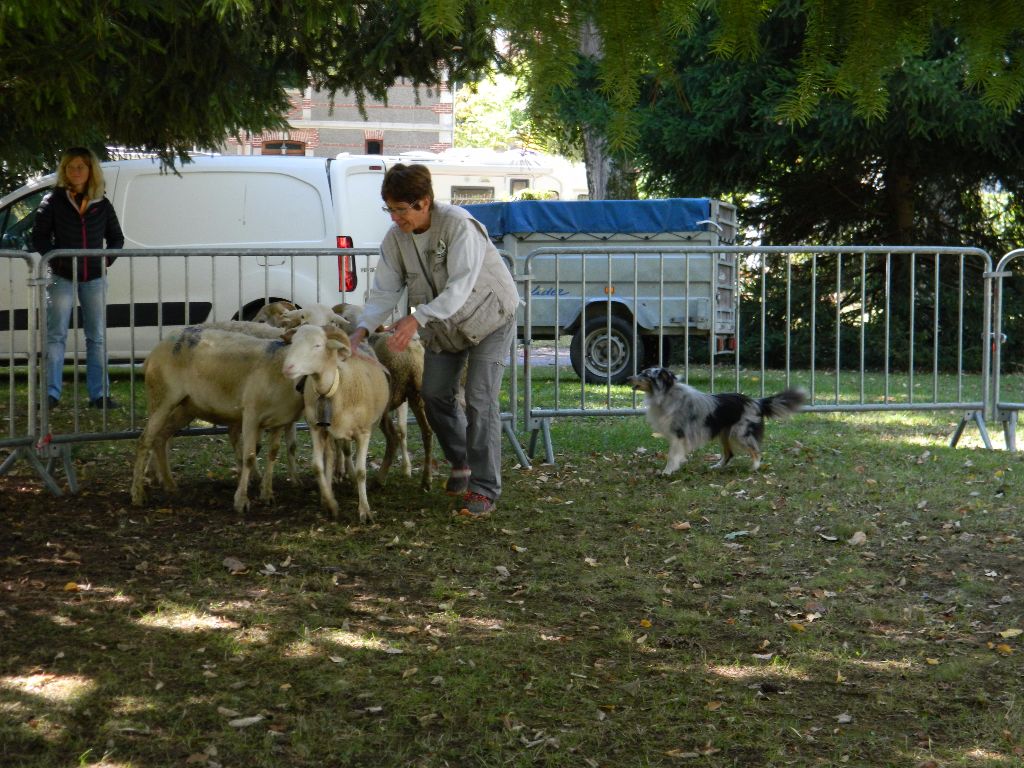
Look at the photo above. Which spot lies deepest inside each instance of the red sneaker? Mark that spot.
(473, 504)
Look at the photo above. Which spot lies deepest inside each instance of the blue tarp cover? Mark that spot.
(522, 217)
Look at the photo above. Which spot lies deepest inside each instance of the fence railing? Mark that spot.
(1007, 404)
(860, 328)
(809, 316)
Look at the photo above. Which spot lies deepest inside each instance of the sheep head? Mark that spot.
(314, 314)
(272, 313)
(313, 349)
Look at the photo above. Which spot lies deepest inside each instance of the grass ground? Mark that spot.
(856, 602)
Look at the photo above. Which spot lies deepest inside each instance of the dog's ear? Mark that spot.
(666, 378)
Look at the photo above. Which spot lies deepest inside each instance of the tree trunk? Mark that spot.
(608, 178)
(598, 164)
(899, 192)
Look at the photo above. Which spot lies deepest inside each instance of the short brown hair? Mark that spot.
(407, 184)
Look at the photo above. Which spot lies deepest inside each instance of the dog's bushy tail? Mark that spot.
(782, 404)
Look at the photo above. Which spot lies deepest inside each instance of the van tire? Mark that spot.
(592, 344)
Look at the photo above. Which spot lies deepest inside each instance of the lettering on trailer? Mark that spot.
(537, 291)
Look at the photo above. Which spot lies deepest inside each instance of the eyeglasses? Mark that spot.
(401, 211)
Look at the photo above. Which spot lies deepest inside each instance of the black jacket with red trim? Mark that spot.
(59, 224)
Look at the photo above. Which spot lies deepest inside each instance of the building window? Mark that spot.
(515, 186)
(284, 147)
(375, 146)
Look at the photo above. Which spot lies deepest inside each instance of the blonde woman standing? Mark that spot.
(77, 215)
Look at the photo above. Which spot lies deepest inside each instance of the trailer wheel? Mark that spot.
(595, 355)
(650, 358)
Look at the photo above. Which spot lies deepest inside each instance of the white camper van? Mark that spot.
(239, 203)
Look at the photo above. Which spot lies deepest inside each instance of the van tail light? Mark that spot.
(346, 267)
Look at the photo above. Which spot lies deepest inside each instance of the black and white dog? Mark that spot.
(690, 418)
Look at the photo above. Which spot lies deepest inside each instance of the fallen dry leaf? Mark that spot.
(245, 722)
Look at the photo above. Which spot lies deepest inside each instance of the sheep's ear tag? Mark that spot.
(323, 411)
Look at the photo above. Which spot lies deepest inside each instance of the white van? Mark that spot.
(238, 203)
(243, 203)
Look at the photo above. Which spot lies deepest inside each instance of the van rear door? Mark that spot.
(359, 218)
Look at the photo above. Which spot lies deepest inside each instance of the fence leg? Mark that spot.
(29, 455)
(978, 419)
(545, 428)
(549, 449)
(1010, 431)
(69, 467)
(511, 435)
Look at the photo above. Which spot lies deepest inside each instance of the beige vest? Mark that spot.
(492, 302)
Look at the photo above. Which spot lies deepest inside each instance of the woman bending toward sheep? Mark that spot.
(464, 301)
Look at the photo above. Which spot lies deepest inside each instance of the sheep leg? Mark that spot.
(402, 427)
(152, 433)
(362, 448)
(323, 445)
(392, 438)
(342, 463)
(249, 441)
(235, 436)
(416, 404)
(157, 464)
(273, 446)
(292, 452)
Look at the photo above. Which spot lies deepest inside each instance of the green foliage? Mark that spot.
(490, 114)
(171, 76)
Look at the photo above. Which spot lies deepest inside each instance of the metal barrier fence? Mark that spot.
(895, 302)
(1006, 407)
(859, 329)
(150, 295)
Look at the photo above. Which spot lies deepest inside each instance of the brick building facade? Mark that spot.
(403, 125)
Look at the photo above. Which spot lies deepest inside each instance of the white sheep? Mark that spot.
(345, 396)
(261, 331)
(406, 385)
(406, 381)
(271, 313)
(225, 378)
(313, 314)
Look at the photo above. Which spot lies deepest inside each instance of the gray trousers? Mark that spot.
(470, 437)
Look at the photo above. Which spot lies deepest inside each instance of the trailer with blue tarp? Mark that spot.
(610, 273)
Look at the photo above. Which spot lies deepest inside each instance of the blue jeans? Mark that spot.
(60, 302)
